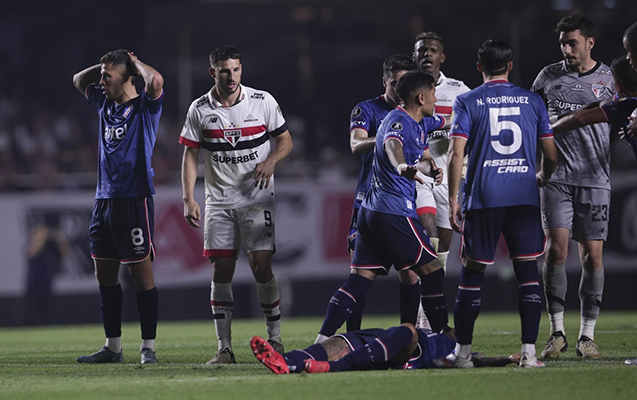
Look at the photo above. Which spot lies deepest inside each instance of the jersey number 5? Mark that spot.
(498, 125)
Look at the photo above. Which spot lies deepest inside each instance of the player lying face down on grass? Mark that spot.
(399, 347)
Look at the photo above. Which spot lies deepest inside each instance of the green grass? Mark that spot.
(39, 363)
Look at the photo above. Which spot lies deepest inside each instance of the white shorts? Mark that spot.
(432, 199)
(227, 230)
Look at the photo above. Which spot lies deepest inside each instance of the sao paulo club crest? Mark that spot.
(232, 136)
(598, 89)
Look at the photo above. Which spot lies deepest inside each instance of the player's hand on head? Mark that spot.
(133, 59)
(192, 213)
(262, 174)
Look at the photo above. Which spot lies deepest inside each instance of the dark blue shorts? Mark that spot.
(122, 229)
(384, 240)
(353, 230)
(358, 339)
(521, 227)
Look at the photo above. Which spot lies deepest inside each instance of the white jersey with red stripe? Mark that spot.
(447, 89)
(235, 139)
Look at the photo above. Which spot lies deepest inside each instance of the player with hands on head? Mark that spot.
(499, 126)
(121, 228)
(233, 124)
(389, 232)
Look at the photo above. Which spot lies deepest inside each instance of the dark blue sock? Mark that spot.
(148, 307)
(433, 300)
(295, 359)
(529, 299)
(342, 303)
(376, 353)
(409, 302)
(355, 319)
(468, 301)
(111, 307)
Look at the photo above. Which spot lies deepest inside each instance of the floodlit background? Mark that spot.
(318, 58)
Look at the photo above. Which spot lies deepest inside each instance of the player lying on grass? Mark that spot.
(399, 347)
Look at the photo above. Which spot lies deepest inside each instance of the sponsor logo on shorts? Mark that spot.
(545, 215)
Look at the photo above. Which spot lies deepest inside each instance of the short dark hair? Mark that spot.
(411, 82)
(494, 56)
(428, 35)
(624, 74)
(631, 35)
(574, 22)
(223, 53)
(120, 57)
(398, 62)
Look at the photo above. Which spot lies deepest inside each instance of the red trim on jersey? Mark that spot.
(247, 131)
(459, 135)
(189, 143)
(224, 253)
(221, 303)
(546, 136)
(426, 210)
(444, 110)
(393, 137)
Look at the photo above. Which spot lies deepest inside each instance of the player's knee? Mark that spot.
(556, 254)
(474, 265)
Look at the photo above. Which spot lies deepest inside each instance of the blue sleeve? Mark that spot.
(461, 125)
(152, 105)
(360, 118)
(544, 129)
(429, 124)
(95, 96)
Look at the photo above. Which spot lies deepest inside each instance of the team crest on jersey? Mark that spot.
(356, 112)
(598, 88)
(397, 126)
(232, 136)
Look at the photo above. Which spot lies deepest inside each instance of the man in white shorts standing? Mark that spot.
(432, 201)
(233, 124)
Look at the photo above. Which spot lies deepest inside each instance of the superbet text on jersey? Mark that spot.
(502, 124)
(236, 139)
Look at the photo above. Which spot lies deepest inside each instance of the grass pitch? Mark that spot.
(39, 363)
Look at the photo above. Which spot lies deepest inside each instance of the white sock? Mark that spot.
(528, 348)
(587, 328)
(268, 295)
(442, 257)
(557, 322)
(114, 344)
(320, 339)
(222, 305)
(462, 350)
(434, 243)
(148, 344)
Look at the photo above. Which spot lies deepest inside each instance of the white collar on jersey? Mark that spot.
(441, 79)
(217, 104)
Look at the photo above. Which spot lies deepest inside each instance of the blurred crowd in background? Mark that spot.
(318, 58)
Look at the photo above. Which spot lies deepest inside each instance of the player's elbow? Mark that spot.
(155, 83)
(77, 81)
